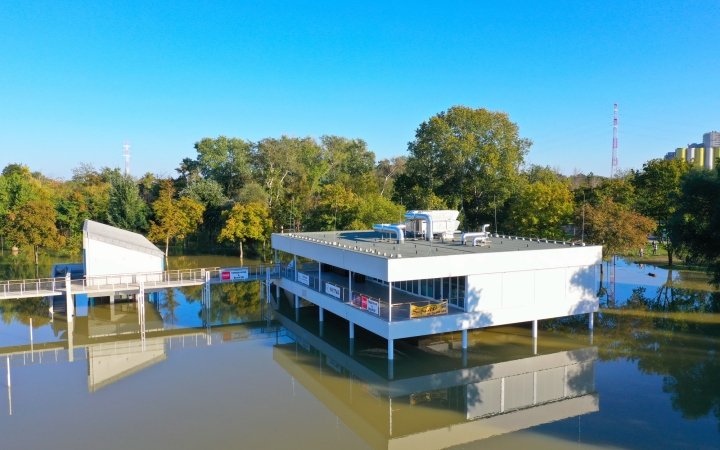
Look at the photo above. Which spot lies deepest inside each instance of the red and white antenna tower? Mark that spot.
(126, 154)
(614, 168)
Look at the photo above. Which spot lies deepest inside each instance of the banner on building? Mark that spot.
(234, 274)
(333, 290)
(357, 300)
(302, 278)
(373, 306)
(433, 309)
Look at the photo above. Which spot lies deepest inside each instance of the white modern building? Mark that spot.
(108, 251)
(433, 279)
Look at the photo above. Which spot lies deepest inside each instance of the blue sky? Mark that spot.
(77, 79)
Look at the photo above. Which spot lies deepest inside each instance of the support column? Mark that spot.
(112, 298)
(591, 320)
(464, 339)
(390, 301)
(391, 349)
(350, 283)
(322, 314)
(277, 292)
(352, 330)
(534, 328)
(297, 301)
(69, 300)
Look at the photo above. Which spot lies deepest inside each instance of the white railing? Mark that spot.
(34, 287)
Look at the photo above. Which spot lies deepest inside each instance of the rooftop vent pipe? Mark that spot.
(392, 228)
(477, 236)
(412, 215)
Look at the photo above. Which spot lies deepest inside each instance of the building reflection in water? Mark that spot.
(428, 400)
(117, 341)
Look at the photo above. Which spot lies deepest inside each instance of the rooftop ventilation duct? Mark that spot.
(392, 228)
(481, 236)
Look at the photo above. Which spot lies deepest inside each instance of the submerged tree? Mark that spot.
(658, 191)
(245, 222)
(174, 218)
(616, 227)
(33, 224)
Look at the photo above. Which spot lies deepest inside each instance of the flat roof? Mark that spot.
(386, 246)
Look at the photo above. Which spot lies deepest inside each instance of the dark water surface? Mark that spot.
(242, 375)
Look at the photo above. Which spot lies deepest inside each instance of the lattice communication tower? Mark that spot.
(614, 167)
(126, 154)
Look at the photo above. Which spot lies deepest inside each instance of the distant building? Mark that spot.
(711, 139)
(700, 155)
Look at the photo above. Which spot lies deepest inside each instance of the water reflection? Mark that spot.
(430, 400)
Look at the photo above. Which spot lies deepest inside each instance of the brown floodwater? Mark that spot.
(241, 374)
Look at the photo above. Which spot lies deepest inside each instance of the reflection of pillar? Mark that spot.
(464, 357)
(69, 301)
(591, 320)
(591, 337)
(391, 349)
(391, 369)
(141, 313)
(7, 358)
(70, 332)
(534, 328)
(32, 350)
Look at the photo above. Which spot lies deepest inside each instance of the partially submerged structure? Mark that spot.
(108, 250)
(424, 277)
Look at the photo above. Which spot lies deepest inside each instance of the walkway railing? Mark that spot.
(367, 303)
(31, 288)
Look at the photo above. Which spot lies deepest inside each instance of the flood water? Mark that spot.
(239, 374)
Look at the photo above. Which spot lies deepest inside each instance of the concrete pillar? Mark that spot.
(352, 347)
(534, 328)
(464, 357)
(69, 300)
(391, 349)
(390, 301)
(322, 314)
(112, 298)
(277, 292)
(352, 330)
(591, 320)
(391, 369)
(297, 301)
(464, 339)
(322, 329)
(297, 314)
(350, 283)
(534, 346)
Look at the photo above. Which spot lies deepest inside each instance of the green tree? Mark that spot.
(541, 209)
(33, 224)
(225, 160)
(694, 226)
(336, 209)
(245, 222)
(376, 209)
(657, 187)
(126, 209)
(469, 158)
(174, 218)
(616, 227)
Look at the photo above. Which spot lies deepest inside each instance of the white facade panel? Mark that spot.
(518, 289)
(580, 284)
(484, 292)
(102, 258)
(550, 286)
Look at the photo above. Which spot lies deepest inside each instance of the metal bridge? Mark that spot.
(132, 283)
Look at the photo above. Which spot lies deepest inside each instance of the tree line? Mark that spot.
(234, 191)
